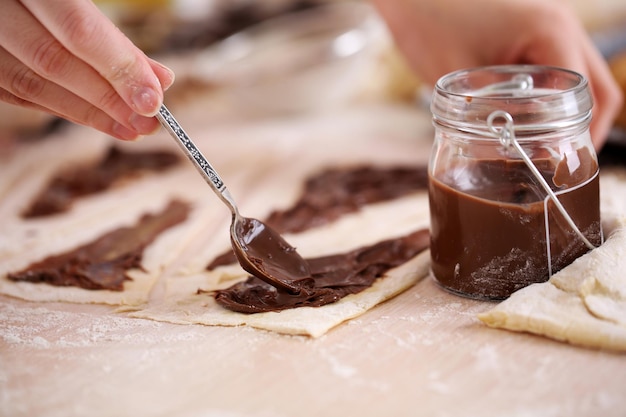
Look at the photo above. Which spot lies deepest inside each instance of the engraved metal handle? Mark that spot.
(193, 153)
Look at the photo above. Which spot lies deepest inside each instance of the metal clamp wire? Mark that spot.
(506, 134)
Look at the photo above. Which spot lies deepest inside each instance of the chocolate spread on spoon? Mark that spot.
(336, 192)
(66, 187)
(104, 262)
(332, 277)
(325, 198)
(264, 253)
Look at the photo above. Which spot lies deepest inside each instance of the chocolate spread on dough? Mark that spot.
(489, 238)
(67, 186)
(336, 192)
(102, 263)
(332, 277)
(264, 253)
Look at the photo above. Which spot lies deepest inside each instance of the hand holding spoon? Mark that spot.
(260, 250)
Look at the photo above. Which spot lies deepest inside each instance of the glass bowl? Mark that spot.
(301, 61)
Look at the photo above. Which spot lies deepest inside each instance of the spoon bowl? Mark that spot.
(260, 250)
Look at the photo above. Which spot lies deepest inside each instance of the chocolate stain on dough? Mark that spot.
(68, 186)
(337, 192)
(332, 277)
(103, 263)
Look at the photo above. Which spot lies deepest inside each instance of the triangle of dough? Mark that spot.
(584, 303)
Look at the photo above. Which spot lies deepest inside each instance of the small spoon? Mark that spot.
(260, 250)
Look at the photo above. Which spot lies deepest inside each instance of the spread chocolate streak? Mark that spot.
(103, 263)
(67, 186)
(336, 192)
(332, 277)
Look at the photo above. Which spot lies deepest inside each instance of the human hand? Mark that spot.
(65, 57)
(441, 36)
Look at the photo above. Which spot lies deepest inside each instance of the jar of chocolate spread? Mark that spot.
(513, 178)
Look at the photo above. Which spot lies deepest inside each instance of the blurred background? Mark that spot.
(273, 58)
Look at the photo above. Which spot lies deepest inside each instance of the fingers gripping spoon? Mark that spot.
(260, 250)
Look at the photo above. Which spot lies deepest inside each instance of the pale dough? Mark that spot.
(166, 289)
(193, 308)
(584, 304)
(156, 256)
(23, 242)
(181, 303)
(136, 291)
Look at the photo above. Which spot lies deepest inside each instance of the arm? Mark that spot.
(440, 36)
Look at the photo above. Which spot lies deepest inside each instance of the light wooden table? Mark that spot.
(423, 353)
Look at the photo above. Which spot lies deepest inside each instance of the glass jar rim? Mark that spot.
(539, 98)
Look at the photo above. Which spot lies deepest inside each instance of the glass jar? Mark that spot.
(513, 178)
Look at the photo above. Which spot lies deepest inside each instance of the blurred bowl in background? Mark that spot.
(309, 60)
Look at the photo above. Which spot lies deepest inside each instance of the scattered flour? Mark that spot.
(40, 327)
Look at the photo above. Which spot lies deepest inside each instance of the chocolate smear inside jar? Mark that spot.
(497, 232)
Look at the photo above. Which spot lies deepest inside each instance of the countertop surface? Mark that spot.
(422, 353)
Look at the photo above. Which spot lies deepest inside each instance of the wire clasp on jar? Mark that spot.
(506, 134)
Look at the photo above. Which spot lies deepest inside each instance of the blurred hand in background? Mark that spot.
(440, 36)
(67, 58)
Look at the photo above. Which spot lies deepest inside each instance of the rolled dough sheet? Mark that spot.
(136, 291)
(194, 308)
(182, 304)
(20, 245)
(583, 304)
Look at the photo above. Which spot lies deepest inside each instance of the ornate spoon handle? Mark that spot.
(193, 153)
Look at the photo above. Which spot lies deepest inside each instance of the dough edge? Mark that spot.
(307, 321)
(565, 308)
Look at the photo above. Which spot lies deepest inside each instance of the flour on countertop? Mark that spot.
(40, 327)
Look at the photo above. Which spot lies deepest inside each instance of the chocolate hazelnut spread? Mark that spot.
(336, 192)
(103, 263)
(332, 277)
(489, 232)
(264, 253)
(66, 187)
